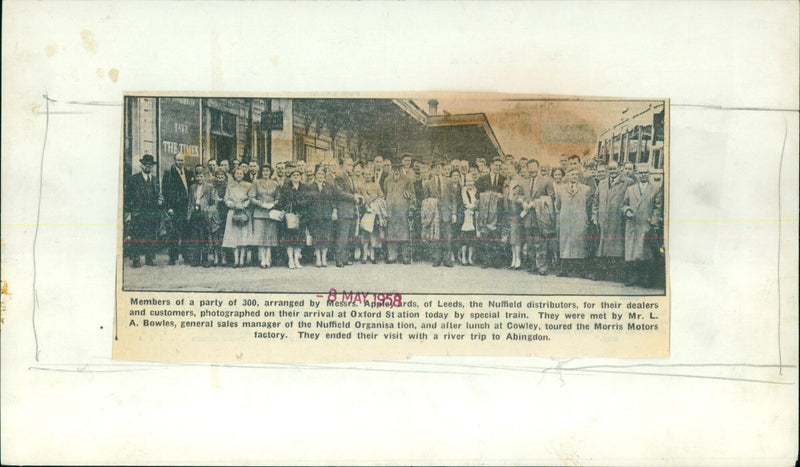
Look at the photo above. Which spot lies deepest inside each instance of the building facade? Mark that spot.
(272, 130)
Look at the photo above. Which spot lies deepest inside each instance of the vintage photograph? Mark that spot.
(450, 194)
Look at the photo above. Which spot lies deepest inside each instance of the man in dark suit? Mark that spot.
(346, 209)
(442, 188)
(490, 249)
(533, 188)
(176, 195)
(494, 180)
(380, 171)
(142, 206)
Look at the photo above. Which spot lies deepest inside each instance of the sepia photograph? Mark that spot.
(451, 194)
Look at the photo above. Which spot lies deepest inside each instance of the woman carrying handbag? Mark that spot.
(238, 223)
(264, 196)
(293, 203)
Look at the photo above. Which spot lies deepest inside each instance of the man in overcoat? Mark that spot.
(346, 205)
(607, 212)
(176, 195)
(400, 198)
(573, 203)
(142, 205)
(641, 207)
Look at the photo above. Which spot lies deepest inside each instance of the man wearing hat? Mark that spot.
(142, 206)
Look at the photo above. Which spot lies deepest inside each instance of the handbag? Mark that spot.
(368, 221)
(292, 221)
(240, 216)
(469, 221)
(276, 215)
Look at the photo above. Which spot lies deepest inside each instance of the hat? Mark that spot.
(291, 169)
(147, 159)
(436, 162)
(396, 164)
(498, 159)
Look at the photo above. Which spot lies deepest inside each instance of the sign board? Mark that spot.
(272, 121)
(179, 130)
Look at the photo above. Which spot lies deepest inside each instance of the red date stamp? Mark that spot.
(365, 298)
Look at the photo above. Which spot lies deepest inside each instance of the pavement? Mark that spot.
(419, 278)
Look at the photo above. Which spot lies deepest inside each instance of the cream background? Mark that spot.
(75, 405)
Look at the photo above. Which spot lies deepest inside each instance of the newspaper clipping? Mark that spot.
(316, 228)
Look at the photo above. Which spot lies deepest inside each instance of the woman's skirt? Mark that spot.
(236, 234)
(293, 238)
(321, 233)
(265, 233)
(514, 226)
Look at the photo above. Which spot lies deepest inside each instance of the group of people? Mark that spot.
(592, 220)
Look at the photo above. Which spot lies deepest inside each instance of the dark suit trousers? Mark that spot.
(345, 234)
(178, 236)
(144, 234)
(442, 247)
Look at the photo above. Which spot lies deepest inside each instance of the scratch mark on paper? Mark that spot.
(38, 218)
(780, 171)
(89, 43)
(113, 74)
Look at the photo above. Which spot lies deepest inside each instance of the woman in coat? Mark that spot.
(238, 222)
(319, 196)
(293, 203)
(513, 197)
(216, 214)
(264, 195)
(466, 219)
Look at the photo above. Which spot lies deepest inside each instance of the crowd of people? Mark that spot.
(592, 220)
